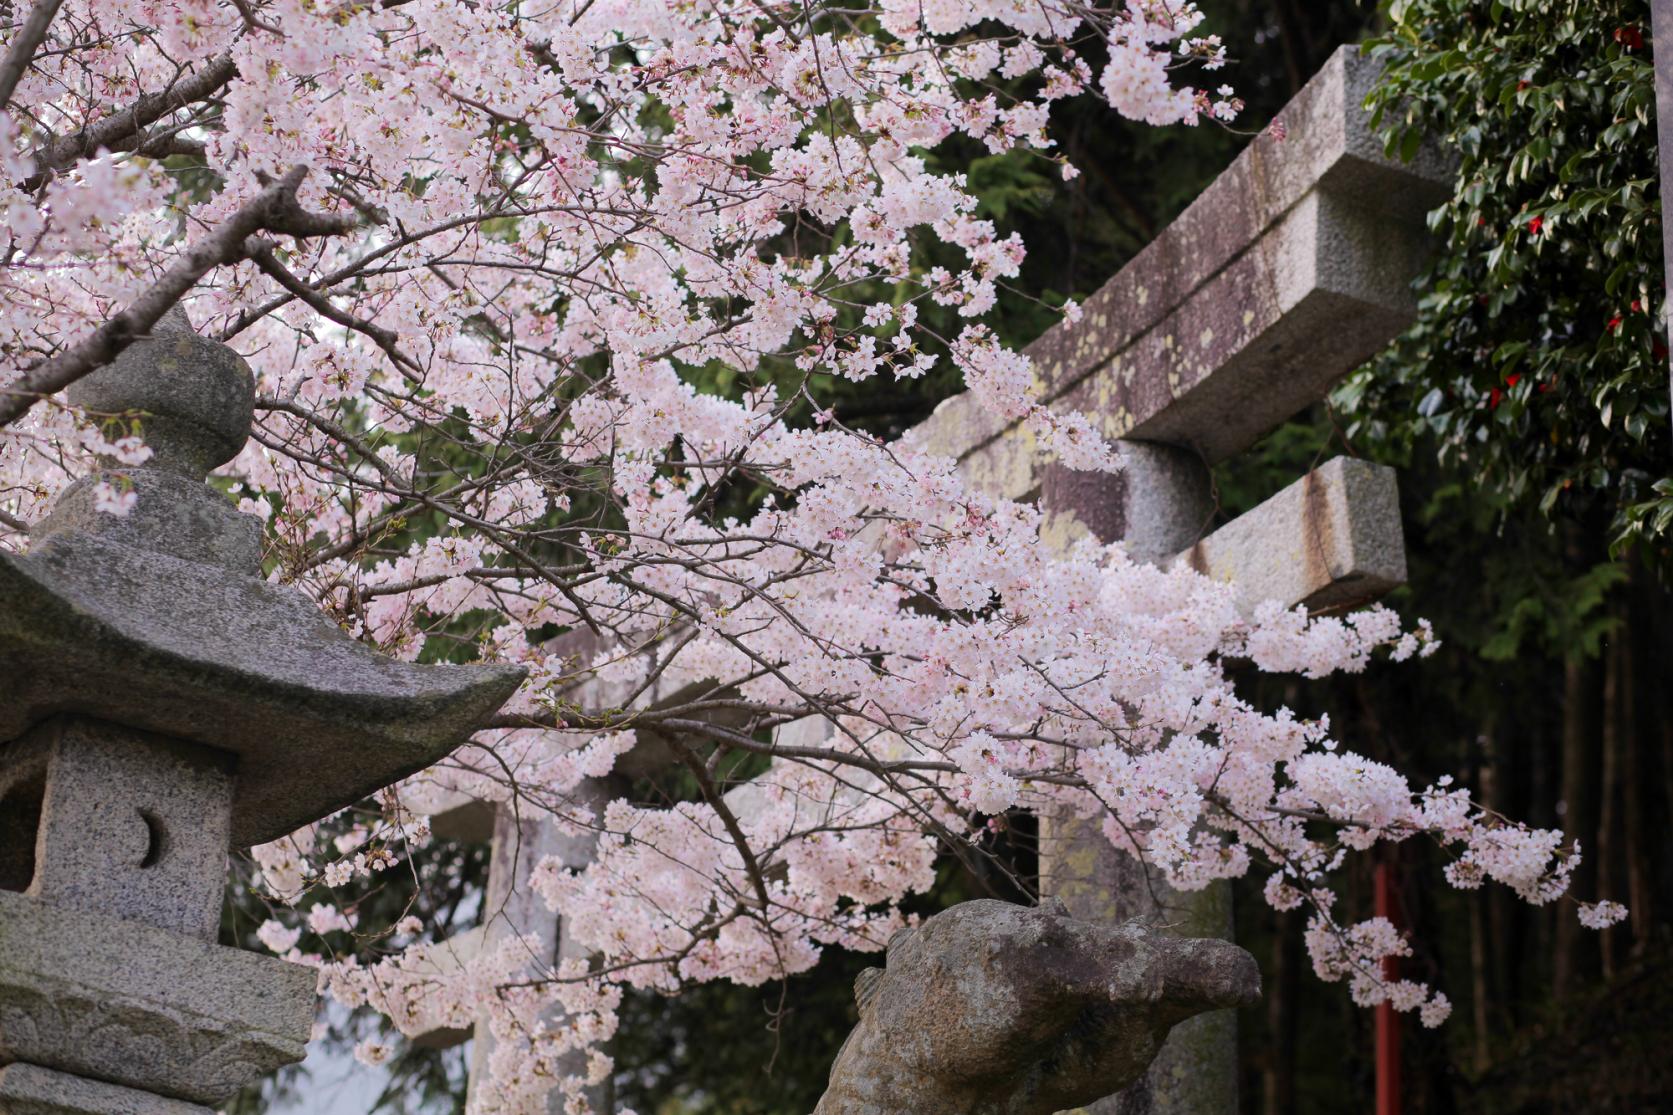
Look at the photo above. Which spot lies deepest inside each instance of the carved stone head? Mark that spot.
(995, 1009)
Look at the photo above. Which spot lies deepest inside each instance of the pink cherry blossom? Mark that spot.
(485, 263)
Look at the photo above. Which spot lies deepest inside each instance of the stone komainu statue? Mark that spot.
(995, 1009)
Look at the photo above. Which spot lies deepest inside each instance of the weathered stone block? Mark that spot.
(1329, 146)
(194, 397)
(316, 719)
(994, 1009)
(1289, 269)
(32, 1090)
(1331, 540)
(1160, 501)
(174, 515)
(128, 823)
(458, 816)
(1316, 295)
(163, 621)
(160, 700)
(124, 1003)
(444, 962)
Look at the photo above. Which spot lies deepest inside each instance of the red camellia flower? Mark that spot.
(1494, 398)
(1613, 323)
(1536, 224)
(1513, 379)
(1630, 37)
(1637, 307)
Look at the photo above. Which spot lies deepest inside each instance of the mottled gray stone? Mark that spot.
(1290, 268)
(175, 515)
(193, 397)
(1160, 502)
(129, 823)
(995, 1009)
(1331, 540)
(1314, 297)
(316, 719)
(1329, 146)
(425, 1026)
(512, 908)
(460, 816)
(33, 1090)
(159, 701)
(128, 1004)
(1195, 1072)
(161, 620)
(1307, 302)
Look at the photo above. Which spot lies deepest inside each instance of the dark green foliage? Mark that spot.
(1603, 1054)
(1538, 366)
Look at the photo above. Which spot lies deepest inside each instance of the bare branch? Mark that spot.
(717, 802)
(275, 209)
(24, 46)
(261, 253)
(122, 128)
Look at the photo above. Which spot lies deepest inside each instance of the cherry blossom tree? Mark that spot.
(486, 262)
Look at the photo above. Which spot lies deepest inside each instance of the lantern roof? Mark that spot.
(161, 619)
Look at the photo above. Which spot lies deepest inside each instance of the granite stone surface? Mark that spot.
(33, 1090)
(192, 397)
(130, 824)
(1160, 501)
(125, 1003)
(161, 620)
(995, 1009)
(1286, 271)
(175, 515)
(160, 701)
(1331, 540)
(316, 719)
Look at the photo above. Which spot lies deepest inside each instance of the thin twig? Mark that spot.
(275, 209)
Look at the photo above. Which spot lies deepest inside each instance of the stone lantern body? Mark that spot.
(160, 703)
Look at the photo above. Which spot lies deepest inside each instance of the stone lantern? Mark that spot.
(160, 703)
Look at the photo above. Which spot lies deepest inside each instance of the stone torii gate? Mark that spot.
(1292, 268)
(1289, 270)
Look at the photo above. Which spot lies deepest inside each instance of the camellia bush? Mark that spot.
(543, 302)
(1539, 363)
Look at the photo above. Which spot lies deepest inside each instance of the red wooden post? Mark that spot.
(1387, 1022)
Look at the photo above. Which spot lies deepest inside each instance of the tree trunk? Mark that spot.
(1609, 791)
(1635, 836)
(1580, 721)
(1480, 993)
(1501, 917)
(1283, 1016)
